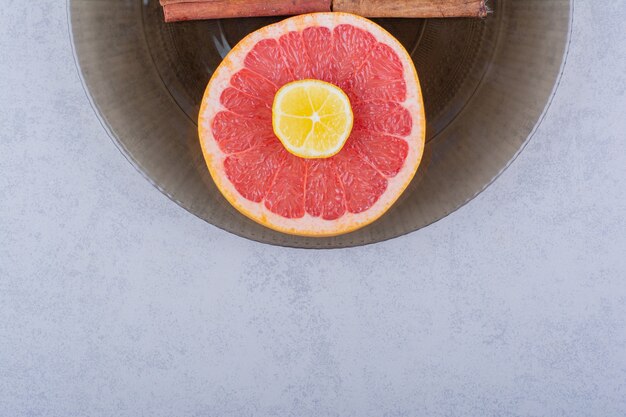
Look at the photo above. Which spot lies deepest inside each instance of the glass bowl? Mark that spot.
(486, 82)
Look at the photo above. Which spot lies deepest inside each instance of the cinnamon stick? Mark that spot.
(177, 10)
(412, 8)
(165, 2)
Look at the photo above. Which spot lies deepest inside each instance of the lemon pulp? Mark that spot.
(312, 118)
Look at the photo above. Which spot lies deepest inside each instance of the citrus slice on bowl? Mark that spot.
(312, 118)
(314, 126)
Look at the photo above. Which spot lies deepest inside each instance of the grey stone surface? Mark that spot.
(116, 302)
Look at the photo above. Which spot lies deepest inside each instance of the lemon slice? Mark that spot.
(312, 118)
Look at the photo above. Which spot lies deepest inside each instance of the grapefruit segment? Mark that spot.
(325, 197)
(382, 117)
(245, 105)
(286, 195)
(381, 77)
(317, 40)
(300, 64)
(266, 59)
(252, 172)
(235, 133)
(253, 84)
(351, 47)
(333, 194)
(383, 152)
(362, 183)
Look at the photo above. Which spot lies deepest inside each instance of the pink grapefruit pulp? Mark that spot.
(314, 197)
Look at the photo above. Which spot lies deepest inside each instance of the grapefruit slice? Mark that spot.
(319, 196)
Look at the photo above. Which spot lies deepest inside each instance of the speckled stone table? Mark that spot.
(114, 301)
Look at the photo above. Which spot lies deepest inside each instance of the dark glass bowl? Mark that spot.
(486, 86)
